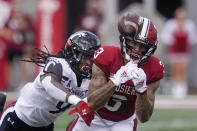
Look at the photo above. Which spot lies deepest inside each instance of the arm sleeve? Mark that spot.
(57, 93)
(52, 90)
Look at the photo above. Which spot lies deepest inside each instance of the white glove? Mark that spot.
(123, 74)
(139, 80)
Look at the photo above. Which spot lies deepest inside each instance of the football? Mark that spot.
(129, 24)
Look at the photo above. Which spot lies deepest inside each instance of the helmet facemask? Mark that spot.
(134, 56)
(78, 62)
(85, 67)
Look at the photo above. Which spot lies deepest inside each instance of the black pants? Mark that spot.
(10, 122)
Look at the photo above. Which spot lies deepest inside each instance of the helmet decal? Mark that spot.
(145, 28)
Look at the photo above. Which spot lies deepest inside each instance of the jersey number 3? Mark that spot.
(98, 52)
(118, 102)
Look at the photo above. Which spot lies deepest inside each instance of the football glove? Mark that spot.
(123, 74)
(139, 80)
(84, 112)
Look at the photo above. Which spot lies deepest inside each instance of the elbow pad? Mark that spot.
(52, 90)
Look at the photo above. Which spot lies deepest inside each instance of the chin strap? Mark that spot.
(127, 57)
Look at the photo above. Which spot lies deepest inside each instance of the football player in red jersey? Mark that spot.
(124, 80)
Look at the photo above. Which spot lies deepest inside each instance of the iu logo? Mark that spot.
(124, 74)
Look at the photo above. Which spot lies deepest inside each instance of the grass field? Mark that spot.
(162, 120)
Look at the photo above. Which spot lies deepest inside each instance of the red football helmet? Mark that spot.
(139, 30)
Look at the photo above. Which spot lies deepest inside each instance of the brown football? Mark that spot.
(129, 24)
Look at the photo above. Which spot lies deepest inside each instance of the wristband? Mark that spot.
(72, 99)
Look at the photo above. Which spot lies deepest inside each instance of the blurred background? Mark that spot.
(29, 24)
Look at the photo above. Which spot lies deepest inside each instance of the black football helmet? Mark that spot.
(79, 45)
(139, 30)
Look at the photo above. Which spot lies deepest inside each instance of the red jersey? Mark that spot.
(121, 105)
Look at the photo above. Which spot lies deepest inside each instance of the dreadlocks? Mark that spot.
(40, 56)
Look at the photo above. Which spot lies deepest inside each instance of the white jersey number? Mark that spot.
(98, 52)
(117, 99)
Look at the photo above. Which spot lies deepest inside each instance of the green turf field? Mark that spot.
(162, 120)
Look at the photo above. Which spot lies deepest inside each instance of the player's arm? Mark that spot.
(55, 89)
(100, 90)
(145, 102)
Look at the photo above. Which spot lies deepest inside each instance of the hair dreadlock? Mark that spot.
(40, 56)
